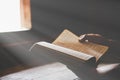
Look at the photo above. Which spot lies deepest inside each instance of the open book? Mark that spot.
(67, 49)
(68, 43)
(69, 40)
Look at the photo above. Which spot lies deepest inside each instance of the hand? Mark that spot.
(94, 38)
(99, 39)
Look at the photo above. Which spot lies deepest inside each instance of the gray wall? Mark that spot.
(50, 17)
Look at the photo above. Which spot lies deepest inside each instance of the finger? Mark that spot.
(82, 38)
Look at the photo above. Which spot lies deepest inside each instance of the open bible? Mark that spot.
(67, 44)
(69, 40)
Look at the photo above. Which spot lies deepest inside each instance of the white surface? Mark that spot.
(104, 68)
(54, 71)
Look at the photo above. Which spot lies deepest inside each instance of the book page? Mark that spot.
(69, 40)
(63, 50)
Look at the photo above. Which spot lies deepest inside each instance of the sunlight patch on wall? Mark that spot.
(10, 16)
